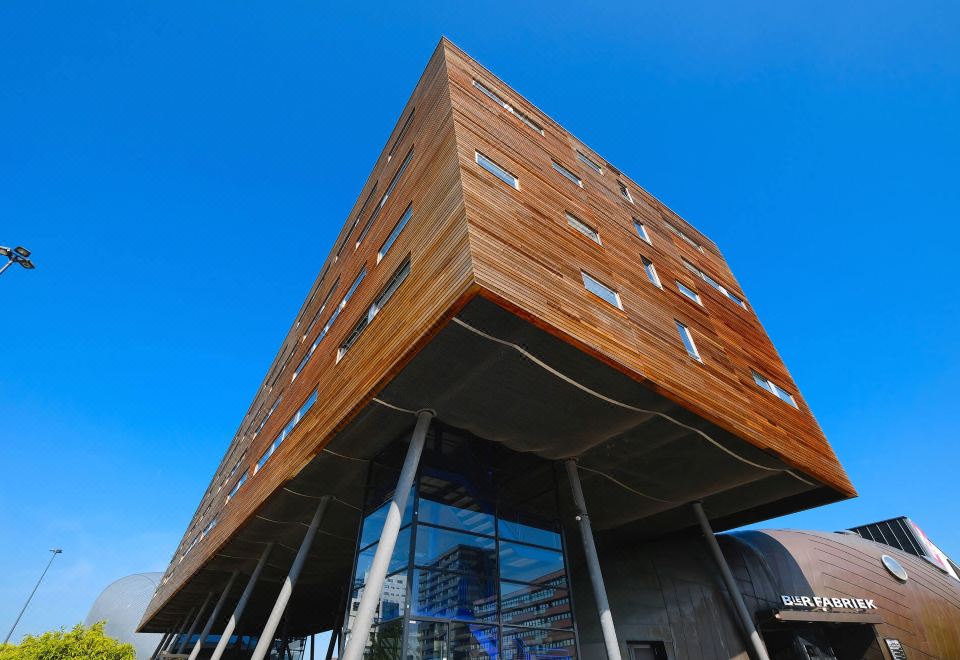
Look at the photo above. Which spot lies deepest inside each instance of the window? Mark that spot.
(687, 338)
(287, 430)
(683, 236)
(773, 388)
(496, 98)
(642, 231)
(401, 135)
(715, 284)
(651, 271)
(242, 480)
(586, 160)
(267, 416)
(395, 281)
(583, 228)
(356, 221)
(401, 223)
(497, 171)
(689, 293)
(625, 192)
(386, 196)
(598, 289)
(567, 173)
(323, 306)
(330, 322)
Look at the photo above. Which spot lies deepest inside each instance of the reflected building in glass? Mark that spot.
(481, 553)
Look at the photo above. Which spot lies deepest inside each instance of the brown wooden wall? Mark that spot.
(527, 257)
(471, 234)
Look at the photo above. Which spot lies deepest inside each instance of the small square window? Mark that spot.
(642, 231)
(583, 228)
(689, 293)
(598, 289)
(651, 271)
(497, 171)
(567, 173)
(687, 339)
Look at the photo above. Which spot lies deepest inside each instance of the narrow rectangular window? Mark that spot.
(330, 322)
(386, 196)
(773, 388)
(497, 171)
(651, 271)
(589, 162)
(625, 192)
(679, 232)
(392, 285)
(567, 173)
(242, 480)
(401, 134)
(642, 231)
(401, 223)
(496, 98)
(598, 289)
(583, 228)
(689, 293)
(687, 339)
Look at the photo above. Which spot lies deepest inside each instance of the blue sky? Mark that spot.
(171, 167)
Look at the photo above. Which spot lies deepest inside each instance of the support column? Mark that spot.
(163, 640)
(593, 563)
(269, 630)
(241, 604)
(213, 617)
(196, 621)
(367, 607)
(746, 621)
(334, 636)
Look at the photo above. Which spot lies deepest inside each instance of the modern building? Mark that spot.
(519, 398)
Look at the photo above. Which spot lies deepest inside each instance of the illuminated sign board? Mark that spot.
(824, 602)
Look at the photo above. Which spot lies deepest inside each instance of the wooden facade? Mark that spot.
(472, 235)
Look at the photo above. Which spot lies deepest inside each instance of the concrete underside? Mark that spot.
(640, 468)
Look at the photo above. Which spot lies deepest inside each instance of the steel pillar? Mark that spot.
(241, 604)
(213, 617)
(164, 639)
(193, 626)
(266, 637)
(593, 563)
(746, 621)
(358, 636)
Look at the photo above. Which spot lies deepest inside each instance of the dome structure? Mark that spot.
(122, 605)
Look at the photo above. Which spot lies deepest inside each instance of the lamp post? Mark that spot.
(19, 255)
(55, 551)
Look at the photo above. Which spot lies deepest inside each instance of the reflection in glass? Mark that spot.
(529, 644)
(527, 563)
(373, 523)
(518, 527)
(472, 642)
(399, 560)
(439, 548)
(454, 595)
(468, 516)
(427, 640)
(545, 605)
(385, 642)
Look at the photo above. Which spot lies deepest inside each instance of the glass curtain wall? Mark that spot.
(479, 568)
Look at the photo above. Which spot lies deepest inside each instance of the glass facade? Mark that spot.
(479, 569)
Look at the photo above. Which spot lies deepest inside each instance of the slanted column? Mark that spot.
(279, 607)
(593, 563)
(196, 622)
(163, 640)
(366, 609)
(241, 604)
(213, 617)
(746, 621)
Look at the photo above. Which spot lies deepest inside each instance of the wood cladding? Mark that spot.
(471, 234)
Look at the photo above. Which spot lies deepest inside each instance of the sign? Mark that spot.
(823, 602)
(933, 553)
(897, 652)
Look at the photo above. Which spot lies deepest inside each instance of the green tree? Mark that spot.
(79, 643)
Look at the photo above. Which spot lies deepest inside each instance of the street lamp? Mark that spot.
(19, 255)
(55, 551)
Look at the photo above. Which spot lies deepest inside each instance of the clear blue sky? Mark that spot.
(170, 166)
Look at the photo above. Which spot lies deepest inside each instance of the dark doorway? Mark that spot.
(822, 641)
(647, 651)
